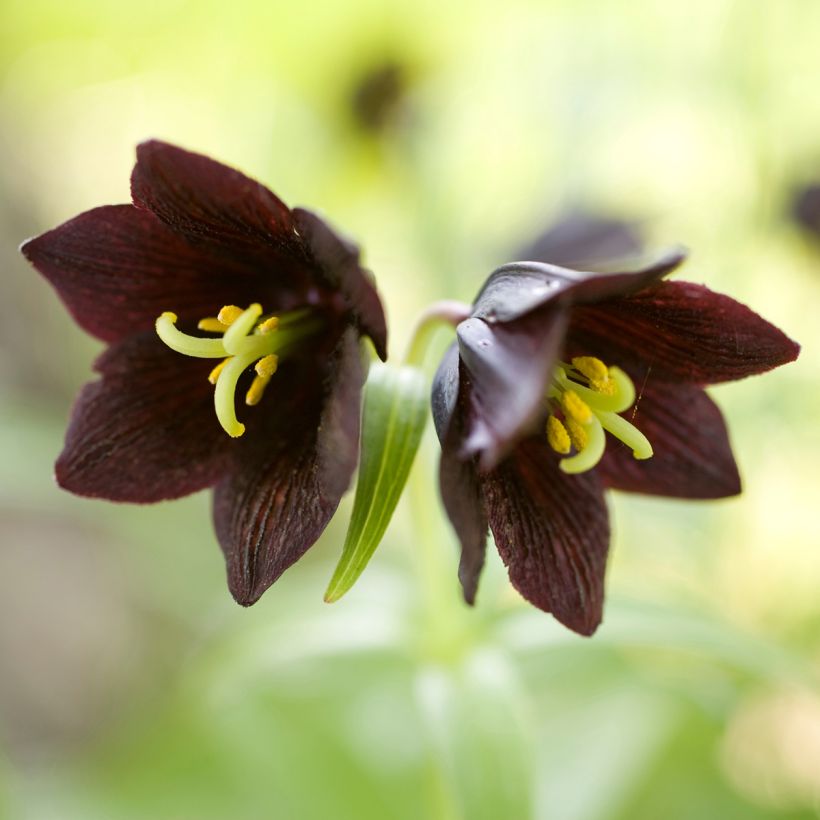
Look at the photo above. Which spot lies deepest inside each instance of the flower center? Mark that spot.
(588, 396)
(247, 338)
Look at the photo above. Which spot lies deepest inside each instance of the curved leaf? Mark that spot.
(395, 412)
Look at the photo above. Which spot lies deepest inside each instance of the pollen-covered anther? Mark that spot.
(269, 325)
(575, 407)
(257, 389)
(596, 372)
(557, 436)
(578, 434)
(213, 376)
(228, 314)
(267, 366)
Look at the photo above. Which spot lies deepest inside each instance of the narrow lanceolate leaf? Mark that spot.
(395, 411)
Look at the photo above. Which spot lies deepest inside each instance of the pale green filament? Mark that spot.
(236, 339)
(568, 381)
(628, 433)
(224, 393)
(185, 344)
(245, 341)
(591, 454)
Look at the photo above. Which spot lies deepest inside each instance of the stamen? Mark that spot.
(214, 374)
(228, 314)
(577, 434)
(185, 344)
(269, 325)
(575, 407)
(591, 454)
(268, 365)
(557, 436)
(257, 388)
(596, 371)
(211, 325)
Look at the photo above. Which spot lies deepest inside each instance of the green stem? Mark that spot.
(444, 312)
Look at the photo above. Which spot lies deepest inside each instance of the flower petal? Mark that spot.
(521, 287)
(146, 431)
(580, 240)
(508, 365)
(338, 261)
(552, 532)
(291, 469)
(683, 332)
(117, 268)
(458, 480)
(693, 457)
(205, 200)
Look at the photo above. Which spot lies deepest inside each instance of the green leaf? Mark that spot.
(395, 412)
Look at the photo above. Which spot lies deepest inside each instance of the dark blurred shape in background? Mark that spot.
(805, 209)
(583, 240)
(378, 95)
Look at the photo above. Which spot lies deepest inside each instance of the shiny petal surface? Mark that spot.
(683, 332)
(693, 457)
(552, 531)
(338, 263)
(117, 268)
(521, 287)
(508, 365)
(204, 200)
(458, 480)
(146, 431)
(293, 465)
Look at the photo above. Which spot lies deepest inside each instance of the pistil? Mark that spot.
(589, 396)
(246, 338)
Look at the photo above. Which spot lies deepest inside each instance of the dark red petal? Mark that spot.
(582, 241)
(552, 532)
(117, 268)
(520, 287)
(205, 200)
(458, 481)
(294, 463)
(679, 331)
(146, 430)
(693, 457)
(509, 366)
(338, 262)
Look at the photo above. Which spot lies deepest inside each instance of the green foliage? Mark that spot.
(393, 419)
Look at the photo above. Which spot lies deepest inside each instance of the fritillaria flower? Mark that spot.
(563, 383)
(210, 292)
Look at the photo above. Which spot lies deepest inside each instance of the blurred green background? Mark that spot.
(442, 136)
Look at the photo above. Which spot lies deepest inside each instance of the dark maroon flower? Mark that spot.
(548, 360)
(200, 240)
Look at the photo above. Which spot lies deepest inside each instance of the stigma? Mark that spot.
(585, 399)
(248, 339)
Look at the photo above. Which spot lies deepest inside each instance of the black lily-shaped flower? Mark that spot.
(271, 291)
(550, 359)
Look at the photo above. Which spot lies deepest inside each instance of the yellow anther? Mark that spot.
(557, 436)
(269, 325)
(229, 314)
(577, 434)
(211, 325)
(214, 374)
(267, 366)
(257, 388)
(596, 372)
(575, 407)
